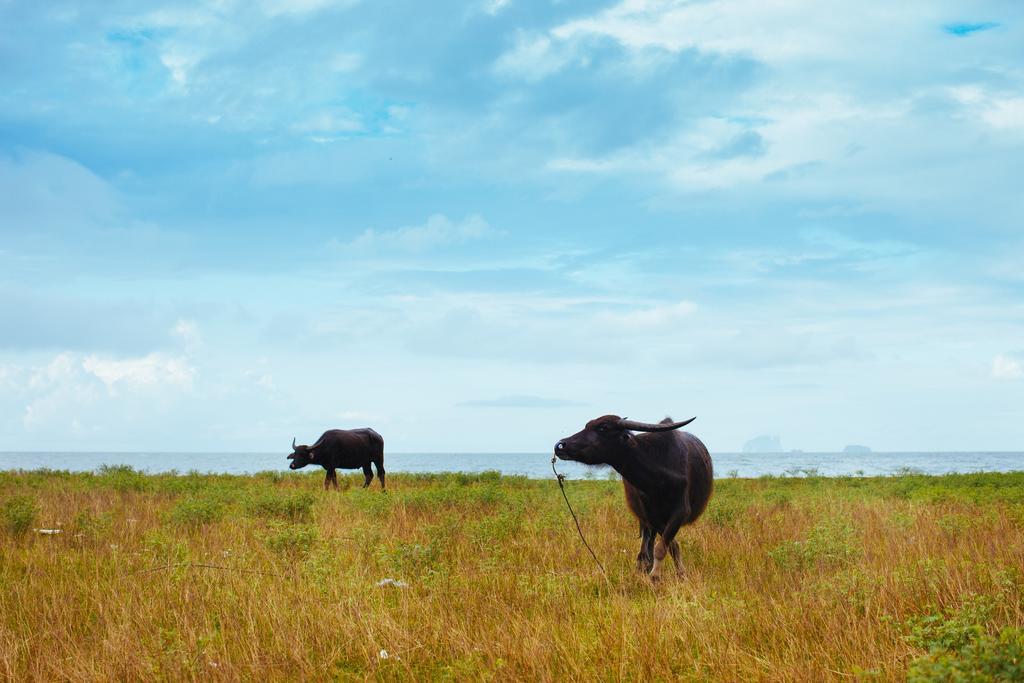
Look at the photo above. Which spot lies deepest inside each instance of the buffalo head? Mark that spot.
(607, 436)
(300, 457)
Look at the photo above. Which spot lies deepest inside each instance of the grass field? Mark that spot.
(797, 578)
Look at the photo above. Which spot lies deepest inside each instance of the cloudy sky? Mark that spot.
(474, 225)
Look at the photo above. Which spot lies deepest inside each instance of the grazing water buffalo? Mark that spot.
(346, 449)
(667, 476)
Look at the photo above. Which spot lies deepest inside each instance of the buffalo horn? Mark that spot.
(649, 427)
(293, 443)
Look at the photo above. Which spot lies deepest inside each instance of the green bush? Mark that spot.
(831, 543)
(196, 512)
(294, 506)
(92, 527)
(951, 629)
(164, 547)
(124, 478)
(982, 659)
(291, 540)
(724, 510)
(19, 512)
(410, 558)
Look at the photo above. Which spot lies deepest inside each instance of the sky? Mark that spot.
(475, 225)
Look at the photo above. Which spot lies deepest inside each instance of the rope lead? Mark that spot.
(561, 486)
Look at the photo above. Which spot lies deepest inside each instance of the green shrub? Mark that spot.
(777, 498)
(294, 506)
(195, 512)
(291, 539)
(19, 512)
(163, 547)
(982, 659)
(723, 511)
(951, 629)
(410, 558)
(92, 527)
(831, 543)
(123, 478)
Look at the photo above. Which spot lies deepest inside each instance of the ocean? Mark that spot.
(536, 465)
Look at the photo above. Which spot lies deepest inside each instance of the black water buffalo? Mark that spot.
(667, 476)
(344, 449)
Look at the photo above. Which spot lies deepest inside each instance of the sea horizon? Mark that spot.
(533, 465)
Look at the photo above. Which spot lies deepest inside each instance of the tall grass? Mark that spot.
(224, 577)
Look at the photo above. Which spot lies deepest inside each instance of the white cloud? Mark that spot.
(533, 58)
(776, 31)
(59, 370)
(330, 122)
(439, 230)
(179, 62)
(187, 331)
(39, 190)
(1007, 112)
(73, 393)
(345, 62)
(152, 370)
(652, 317)
(1002, 111)
(276, 8)
(1004, 367)
(795, 133)
(492, 7)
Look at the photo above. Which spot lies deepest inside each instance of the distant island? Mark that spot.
(765, 443)
(856, 448)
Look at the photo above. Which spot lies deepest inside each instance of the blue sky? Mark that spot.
(476, 225)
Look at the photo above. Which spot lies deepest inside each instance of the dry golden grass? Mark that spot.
(787, 579)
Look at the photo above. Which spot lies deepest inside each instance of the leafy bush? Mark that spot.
(196, 512)
(723, 511)
(123, 478)
(164, 547)
(777, 498)
(982, 659)
(831, 543)
(292, 539)
(93, 527)
(294, 506)
(410, 558)
(19, 512)
(951, 630)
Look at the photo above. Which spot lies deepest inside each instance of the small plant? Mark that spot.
(196, 512)
(123, 478)
(778, 498)
(831, 543)
(162, 546)
(951, 630)
(294, 506)
(92, 527)
(982, 659)
(723, 512)
(291, 539)
(411, 558)
(19, 512)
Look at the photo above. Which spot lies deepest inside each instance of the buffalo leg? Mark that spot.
(368, 473)
(677, 559)
(668, 535)
(379, 464)
(645, 558)
(334, 479)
